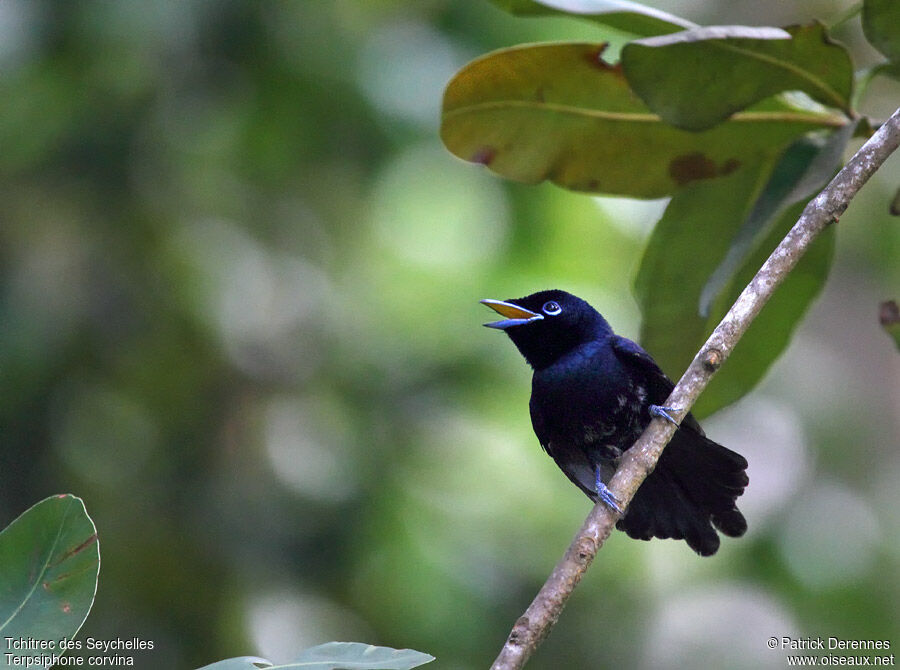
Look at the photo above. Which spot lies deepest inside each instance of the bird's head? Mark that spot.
(548, 324)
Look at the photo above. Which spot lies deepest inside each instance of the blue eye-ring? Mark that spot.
(551, 308)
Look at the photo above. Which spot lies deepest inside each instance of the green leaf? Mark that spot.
(629, 17)
(335, 656)
(49, 563)
(881, 24)
(889, 316)
(801, 172)
(687, 244)
(560, 112)
(772, 330)
(698, 78)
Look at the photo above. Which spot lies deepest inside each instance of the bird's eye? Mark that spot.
(551, 308)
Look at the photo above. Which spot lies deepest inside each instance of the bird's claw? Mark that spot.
(663, 413)
(611, 501)
(608, 498)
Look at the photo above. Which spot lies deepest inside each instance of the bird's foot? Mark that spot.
(663, 413)
(607, 497)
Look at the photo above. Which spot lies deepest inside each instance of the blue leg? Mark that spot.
(605, 494)
(663, 413)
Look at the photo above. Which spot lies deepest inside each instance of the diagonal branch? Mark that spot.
(823, 210)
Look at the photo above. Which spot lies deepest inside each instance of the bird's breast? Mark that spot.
(592, 403)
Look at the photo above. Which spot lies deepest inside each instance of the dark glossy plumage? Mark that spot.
(590, 400)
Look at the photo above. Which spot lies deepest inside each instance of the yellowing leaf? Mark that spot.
(559, 112)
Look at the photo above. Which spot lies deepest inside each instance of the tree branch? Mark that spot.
(826, 208)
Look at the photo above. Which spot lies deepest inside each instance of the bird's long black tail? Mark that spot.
(691, 493)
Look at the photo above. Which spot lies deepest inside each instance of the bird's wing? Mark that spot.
(660, 386)
(540, 427)
(573, 462)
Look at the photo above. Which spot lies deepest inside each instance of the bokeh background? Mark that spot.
(238, 315)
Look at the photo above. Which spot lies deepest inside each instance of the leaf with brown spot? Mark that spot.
(692, 167)
(484, 155)
(589, 132)
(49, 563)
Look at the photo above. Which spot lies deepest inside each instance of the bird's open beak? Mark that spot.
(515, 315)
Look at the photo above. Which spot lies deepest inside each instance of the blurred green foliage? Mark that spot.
(238, 316)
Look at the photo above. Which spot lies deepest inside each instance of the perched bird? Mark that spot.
(592, 394)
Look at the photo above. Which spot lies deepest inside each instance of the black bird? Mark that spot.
(592, 394)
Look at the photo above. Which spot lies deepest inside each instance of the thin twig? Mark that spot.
(823, 210)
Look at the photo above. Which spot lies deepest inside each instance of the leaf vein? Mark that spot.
(39, 577)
